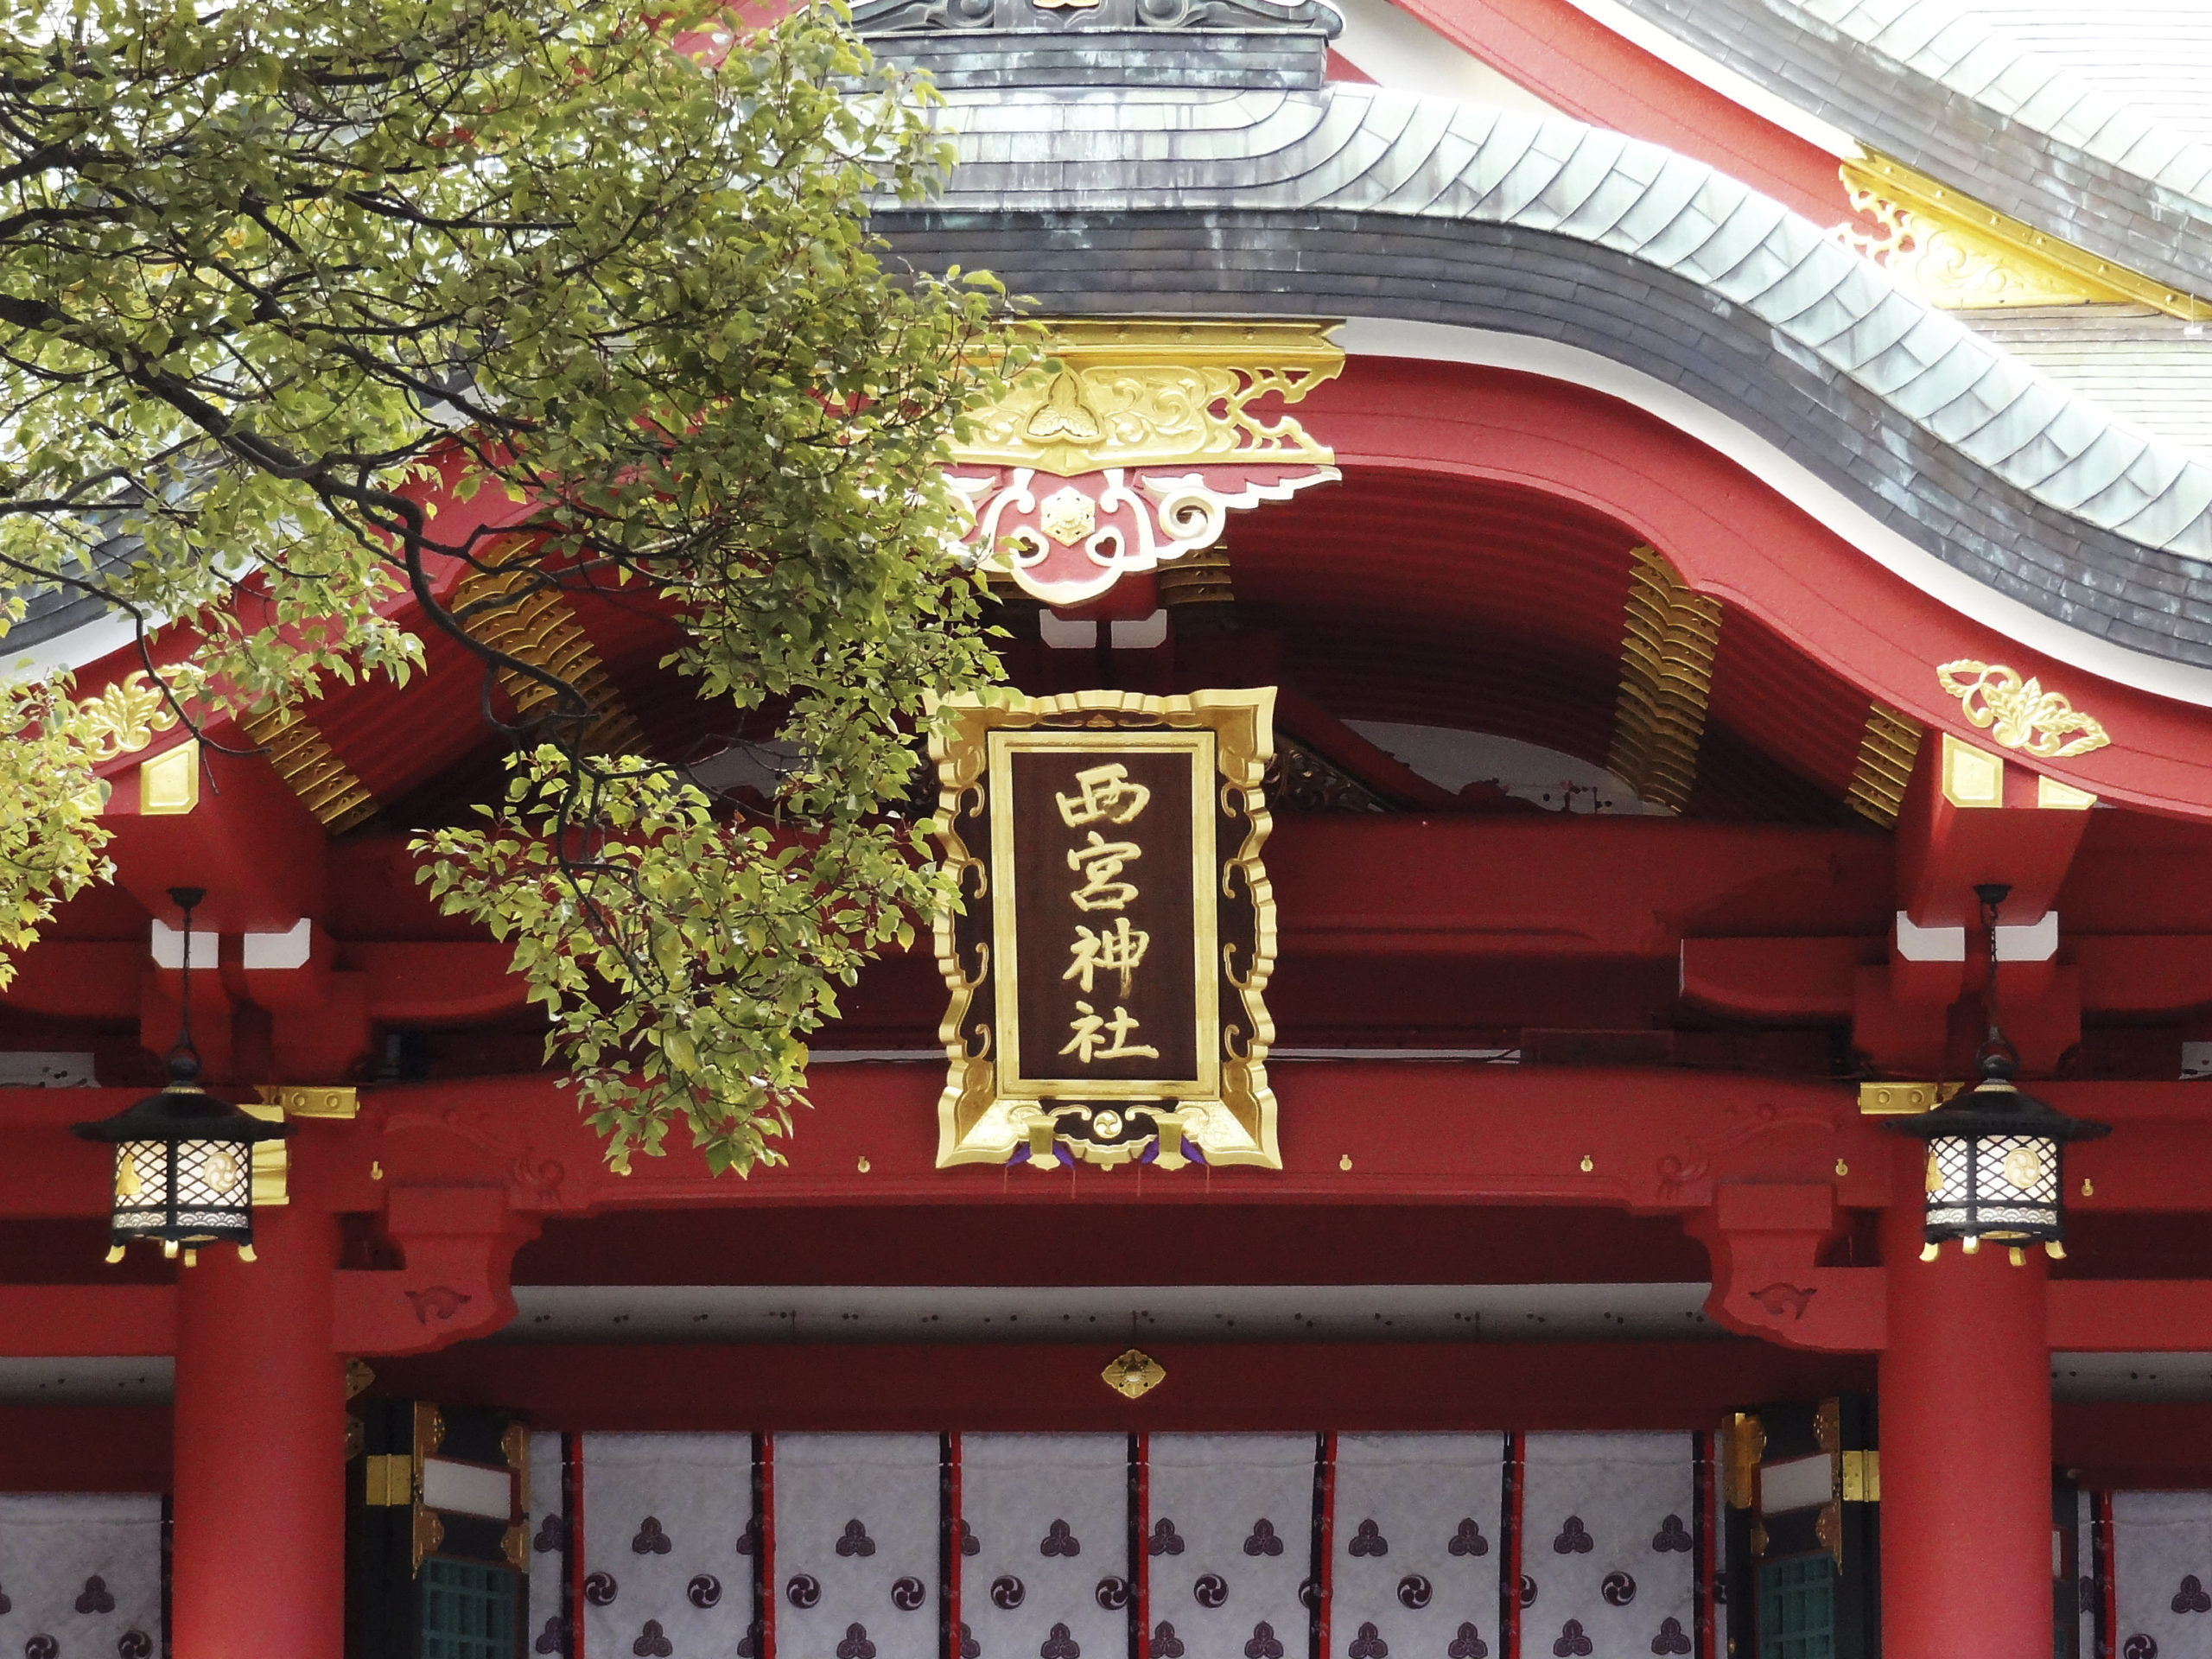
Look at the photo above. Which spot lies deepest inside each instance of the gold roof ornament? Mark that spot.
(1964, 254)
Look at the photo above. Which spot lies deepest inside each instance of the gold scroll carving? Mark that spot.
(2019, 713)
(1139, 392)
(123, 718)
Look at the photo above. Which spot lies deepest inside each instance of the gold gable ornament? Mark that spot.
(1964, 254)
(1135, 449)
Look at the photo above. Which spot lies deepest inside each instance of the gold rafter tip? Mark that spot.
(1904, 1099)
(2019, 713)
(307, 1100)
(1887, 749)
(1133, 1373)
(1666, 649)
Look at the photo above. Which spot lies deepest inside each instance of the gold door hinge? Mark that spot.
(1862, 1476)
(387, 1479)
(1743, 1443)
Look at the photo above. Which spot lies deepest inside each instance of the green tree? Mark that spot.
(269, 273)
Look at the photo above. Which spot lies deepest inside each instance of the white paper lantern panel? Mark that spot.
(663, 1517)
(1415, 1549)
(855, 1545)
(1050, 1516)
(1608, 1541)
(1228, 1542)
(81, 1573)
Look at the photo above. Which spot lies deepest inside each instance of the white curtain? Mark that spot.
(2162, 1574)
(856, 1558)
(1229, 1541)
(1051, 1575)
(80, 1575)
(663, 1516)
(1416, 1546)
(1607, 1544)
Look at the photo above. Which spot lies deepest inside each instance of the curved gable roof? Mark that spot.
(2022, 116)
(1353, 200)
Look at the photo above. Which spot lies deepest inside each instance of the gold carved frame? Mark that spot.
(1228, 1114)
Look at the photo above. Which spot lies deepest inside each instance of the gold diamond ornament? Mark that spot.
(1134, 1373)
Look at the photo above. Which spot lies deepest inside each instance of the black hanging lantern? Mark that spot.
(183, 1157)
(1994, 1169)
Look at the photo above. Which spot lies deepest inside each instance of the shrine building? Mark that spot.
(1582, 1023)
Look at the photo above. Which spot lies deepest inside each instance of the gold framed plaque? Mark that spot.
(1108, 963)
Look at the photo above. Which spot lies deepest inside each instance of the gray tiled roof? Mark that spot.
(2152, 371)
(1354, 200)
(2033, 116)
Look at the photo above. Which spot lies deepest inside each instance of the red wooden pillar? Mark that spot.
(259, 1567)
(1965, 1435)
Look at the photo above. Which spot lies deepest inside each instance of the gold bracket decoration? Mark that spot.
(1743, 1443)
(1106, 969)
(1964, 254)
(308, 1100)
(1137, 447)
(2020, 713)
(272, 1160)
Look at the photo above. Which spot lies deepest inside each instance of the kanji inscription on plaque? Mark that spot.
(1116, 933)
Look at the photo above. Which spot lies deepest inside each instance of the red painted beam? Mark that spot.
(55, 1321)
(1775, 979)
(438, 982)
(1653, 1385)
(2126, 1316)
(85, 1448)
(2114, 1445)
(249, 843)
(1945, 850)
(1658, 1139)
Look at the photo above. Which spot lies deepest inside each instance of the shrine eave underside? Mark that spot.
(1349, 201)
